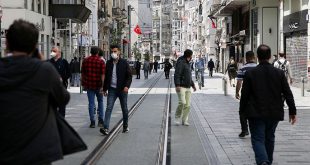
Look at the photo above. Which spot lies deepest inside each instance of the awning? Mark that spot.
(231, 6)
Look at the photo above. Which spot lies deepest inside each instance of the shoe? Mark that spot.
(264, 163)
(125, 130)
(92, 124)
(233, 85)
(202, 85)
(243, 134)
(185, 124)
(104, 131)
(100, 123)
(177, 121)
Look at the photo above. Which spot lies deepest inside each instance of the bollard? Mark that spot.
(302, 86)
(225, 85)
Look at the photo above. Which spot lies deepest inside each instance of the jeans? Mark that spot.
(75, 79)
(91, 104)
(202, 75)
(263, 138)
(146, 74)
(113, 94)
(183, 108)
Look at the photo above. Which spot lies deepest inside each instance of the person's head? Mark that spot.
(263, 52)
(55, 52)
(210, 59)
(281, 54)
(188, 54)
(94, 50)
(22, 36)
(115, 52)
(100, 53)
(249, 56)
(75, 58)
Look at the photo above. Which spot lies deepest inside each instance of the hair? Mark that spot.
(263, 52)
(282, 54)
(100, 52)
(115, 46)
(22, 36)
(94, 50)
(188, 53)
(249, 55)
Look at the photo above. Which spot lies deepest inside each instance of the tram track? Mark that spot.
(162, 155)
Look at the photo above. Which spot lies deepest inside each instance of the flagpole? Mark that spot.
(129, 34)
(160, 29)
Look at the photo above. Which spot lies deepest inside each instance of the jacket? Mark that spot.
(183, 73)
(29, 133)
(63, 68)
(263, 90)
(123, 74)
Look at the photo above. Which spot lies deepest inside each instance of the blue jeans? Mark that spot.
(75, 79)
(113, 94)
(263, 138)
(91, 104)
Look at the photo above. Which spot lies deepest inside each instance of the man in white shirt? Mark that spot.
(284, 64)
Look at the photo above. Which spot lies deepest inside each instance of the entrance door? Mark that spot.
(270, 28)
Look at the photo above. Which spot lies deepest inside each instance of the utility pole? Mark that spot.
(160, 30)
(129, 31)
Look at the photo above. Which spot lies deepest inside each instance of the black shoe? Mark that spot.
(264, 163)
(202, 85)
(104, 131)
(92, 124)
(243, 134)
(100, 123)
(125, 130)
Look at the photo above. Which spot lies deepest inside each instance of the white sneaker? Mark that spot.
(185, 124)
(177, 121)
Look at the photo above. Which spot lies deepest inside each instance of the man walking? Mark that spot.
(62, 66)
(250, 64)
(284, 65)
(167, 67)
(183, 83)
(75, 72)
(93, 70)
(262, 103)
(211, 67)
(138, 68)
(116, 85)
(155, 66)
(146, 68)
(200, 67)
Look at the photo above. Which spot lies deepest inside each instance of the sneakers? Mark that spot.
(177, 121)
(92, 124)
(125, 130)
(104, 131)
(185, 124)
(100, 123)
(243, 134)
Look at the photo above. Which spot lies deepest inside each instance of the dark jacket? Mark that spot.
(183, 74)
(123, 73)
(138, 65)
(63, 68)
(29, 134)
(75, 66)
(262, 93)
(167, 66)
(211, 65)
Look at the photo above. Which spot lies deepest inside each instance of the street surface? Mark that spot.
(212, 138)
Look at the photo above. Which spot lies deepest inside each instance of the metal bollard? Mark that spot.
(302, 86)
(225, 85)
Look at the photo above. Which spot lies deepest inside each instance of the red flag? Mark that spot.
(137, 30)
(213, 24)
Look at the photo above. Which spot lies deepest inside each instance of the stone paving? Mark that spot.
(219, 116)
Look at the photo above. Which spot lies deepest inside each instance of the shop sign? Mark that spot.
(295, 22)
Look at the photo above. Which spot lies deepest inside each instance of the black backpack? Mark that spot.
(283, 66)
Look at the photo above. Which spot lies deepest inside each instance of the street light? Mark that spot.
(0, 30)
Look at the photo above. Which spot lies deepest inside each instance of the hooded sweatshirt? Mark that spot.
(27, 87)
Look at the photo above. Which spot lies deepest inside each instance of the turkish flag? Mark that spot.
(213, 24)
(137, 30)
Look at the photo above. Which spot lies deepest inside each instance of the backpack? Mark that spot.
(283, 66)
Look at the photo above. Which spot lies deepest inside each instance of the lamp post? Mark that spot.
(0, 30)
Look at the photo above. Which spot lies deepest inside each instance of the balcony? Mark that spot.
(229, 6)
(77, 11)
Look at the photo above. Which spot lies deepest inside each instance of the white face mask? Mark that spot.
(53, 54)
(114, 55)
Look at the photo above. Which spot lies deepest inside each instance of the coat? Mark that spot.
(183, 74)
(263, 90)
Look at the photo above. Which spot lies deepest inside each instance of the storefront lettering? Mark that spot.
(293, 25)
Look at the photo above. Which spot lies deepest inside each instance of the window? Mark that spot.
(32, 5)
(44, 7)
(39, 6)
(305, 2)
(42, 43)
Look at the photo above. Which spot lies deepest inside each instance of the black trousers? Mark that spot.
(244, 123)
(167, 72)
(138, 73)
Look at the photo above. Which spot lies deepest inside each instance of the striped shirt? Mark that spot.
(244, 68)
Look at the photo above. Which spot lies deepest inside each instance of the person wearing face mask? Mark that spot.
(117, 81)
(183, 83)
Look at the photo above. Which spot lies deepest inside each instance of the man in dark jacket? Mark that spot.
(155, 66)
(75, 72)
(116, 85)
(62, 66)
(138, 68)
(263, 90)
(167, 67)
(183, 83)
(211, 67)
(28, 87)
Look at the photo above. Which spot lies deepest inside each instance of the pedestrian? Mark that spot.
(167, 67)
(250, 64)
(211, 67)
(116, 85)
(155, 66)
(200, 67)
(93, 73)
(261, 102)
(217, 66)
(62, 66)
(275, 58)
(240, 63)
(285, 66)
(75, 72)
(138, 68)
(29, 125)
(151, 67)
(232, 71)
(183, 83)
(146, 68)
(101, 55)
